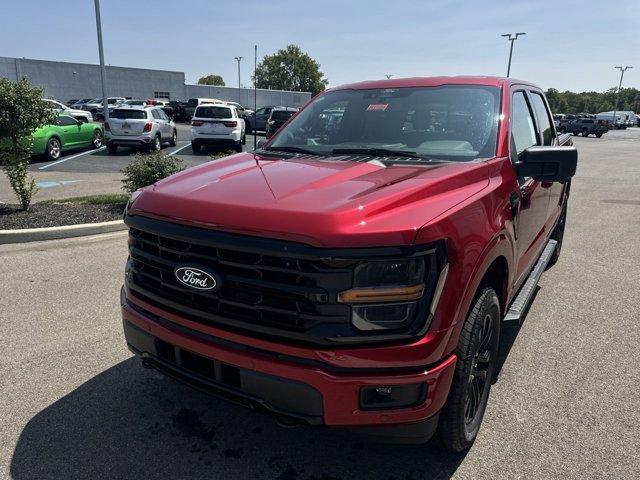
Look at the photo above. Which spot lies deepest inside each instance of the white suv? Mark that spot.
(134, 126)
(217, 125)
(72, 112)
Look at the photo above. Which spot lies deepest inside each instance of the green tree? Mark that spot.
(21, 112)
(290, 69)
(211, 80)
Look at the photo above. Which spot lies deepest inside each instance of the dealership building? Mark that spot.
(64, 81)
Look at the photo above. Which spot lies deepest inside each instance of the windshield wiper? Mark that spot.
(387, 152)
(375, 152)
(293, 150)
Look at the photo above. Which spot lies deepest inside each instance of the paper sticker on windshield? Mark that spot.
(377, 106)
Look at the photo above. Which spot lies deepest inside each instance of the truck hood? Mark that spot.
(321, 201)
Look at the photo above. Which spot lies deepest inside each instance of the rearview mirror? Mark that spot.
(548, 164)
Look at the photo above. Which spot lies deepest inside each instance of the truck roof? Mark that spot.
(434, 82)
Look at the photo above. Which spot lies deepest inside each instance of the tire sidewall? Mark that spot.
(454, 432)
(48, 151)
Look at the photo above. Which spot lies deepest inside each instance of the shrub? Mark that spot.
(21, 112)
(148, 168)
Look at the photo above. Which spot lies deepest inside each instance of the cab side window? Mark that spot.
(542, 114)
(523, 131)
(65, 121)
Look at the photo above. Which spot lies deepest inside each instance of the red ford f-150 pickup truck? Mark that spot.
(356, 270)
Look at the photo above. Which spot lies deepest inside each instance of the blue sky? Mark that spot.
(569, 44)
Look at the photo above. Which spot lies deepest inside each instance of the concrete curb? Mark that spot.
(53, 233)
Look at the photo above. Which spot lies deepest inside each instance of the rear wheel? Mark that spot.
(196, 147)
(477, 352)
(156, 144)
(174, 138)
(558, 235)
(111, 148)
(599, 135)
(244, 138)
(54, 149)
(96, 141)
(585, 132)
(238, 146)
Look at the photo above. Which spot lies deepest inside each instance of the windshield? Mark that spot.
(449, 122)
(128, 114)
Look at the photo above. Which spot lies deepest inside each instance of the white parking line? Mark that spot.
(71, 158)
(181, 148)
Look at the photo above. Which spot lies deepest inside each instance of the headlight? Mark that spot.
(387, 294)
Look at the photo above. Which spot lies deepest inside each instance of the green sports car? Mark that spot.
(65, 133)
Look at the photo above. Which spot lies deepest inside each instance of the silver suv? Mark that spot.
(134, 126)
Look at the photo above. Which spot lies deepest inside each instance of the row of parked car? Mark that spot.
(150, 124)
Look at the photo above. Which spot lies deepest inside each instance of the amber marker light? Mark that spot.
(381, 294)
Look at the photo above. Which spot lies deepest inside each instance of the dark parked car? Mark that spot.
(178, 110)
(587, 126)
(259, 118)
(278, 117)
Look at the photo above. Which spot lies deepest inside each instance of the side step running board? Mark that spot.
(521, 303)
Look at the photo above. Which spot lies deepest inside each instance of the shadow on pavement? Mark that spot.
(128, 422)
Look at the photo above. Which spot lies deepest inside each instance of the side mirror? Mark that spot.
(261, 143)
(548, 164)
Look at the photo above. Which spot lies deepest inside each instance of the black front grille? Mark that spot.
(258, 289)
(269, 287)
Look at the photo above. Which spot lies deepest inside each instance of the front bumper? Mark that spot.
(285, 385)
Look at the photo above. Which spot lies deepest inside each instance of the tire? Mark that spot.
(96, 141)
(477, 352)
(156, 146)
(238, 146)
(174, 138)
(585, 133)
(53, 149)
(196, 147)
(249, 128)
(111, 148)
(558, 236)
(599, 135)
(244, 138)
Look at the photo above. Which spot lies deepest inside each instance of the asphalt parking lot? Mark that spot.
(76, 404)
(91, 172)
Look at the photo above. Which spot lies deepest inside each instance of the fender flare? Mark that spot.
(501, 244)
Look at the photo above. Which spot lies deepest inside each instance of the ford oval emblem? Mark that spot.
(194, 277)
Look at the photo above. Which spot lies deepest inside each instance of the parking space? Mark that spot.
(77, 404)
(96, 171)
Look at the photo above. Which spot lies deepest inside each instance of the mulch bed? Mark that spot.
(57, 214)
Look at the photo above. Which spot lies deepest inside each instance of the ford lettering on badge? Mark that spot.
(194, 277)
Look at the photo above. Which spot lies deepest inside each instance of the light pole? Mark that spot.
(511, 38)
(615, 108)
(238, 60)
(103, 72)
(388, 76)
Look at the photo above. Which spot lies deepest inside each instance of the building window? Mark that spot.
(163, 95)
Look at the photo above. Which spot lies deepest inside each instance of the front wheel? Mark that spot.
(599, 135)
(174, 138)
(585, 133)
(477, 352)
(111, 148)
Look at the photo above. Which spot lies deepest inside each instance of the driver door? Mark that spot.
(532, 196)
